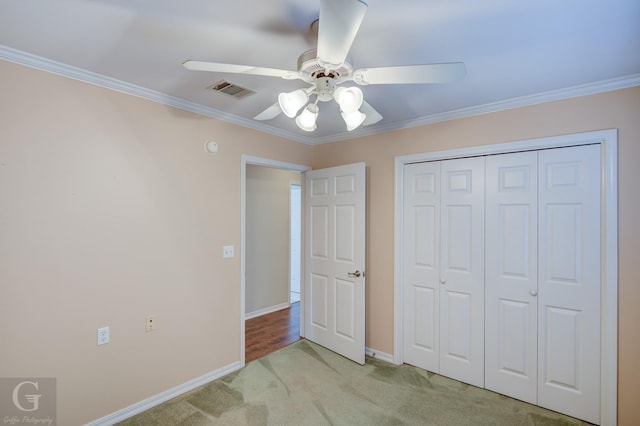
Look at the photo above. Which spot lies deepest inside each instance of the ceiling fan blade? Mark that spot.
(373, 116)
(339, 23)
(270, 113)
(411, 74)
(240, 69)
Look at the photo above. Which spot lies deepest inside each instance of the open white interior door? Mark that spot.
(335, 259)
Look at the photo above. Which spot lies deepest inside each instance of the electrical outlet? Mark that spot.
(227, 252)
(150, 323)
(103, 336)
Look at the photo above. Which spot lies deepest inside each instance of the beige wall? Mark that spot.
(619, 109)
(267, 237)
(110, 210)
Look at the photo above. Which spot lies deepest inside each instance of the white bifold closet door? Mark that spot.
(502, 274)
(421, 271)
(512, 275)
(444, 268)
(543, 278)
(569, 240)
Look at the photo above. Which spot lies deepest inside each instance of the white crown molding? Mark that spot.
(539, 98)
(535, 99)
(54, 67)
(33, 61)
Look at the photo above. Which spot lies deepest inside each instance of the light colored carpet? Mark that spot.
(306, 384)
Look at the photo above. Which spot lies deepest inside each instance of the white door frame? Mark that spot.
(300, 231)
(608, 141)
(258, 161)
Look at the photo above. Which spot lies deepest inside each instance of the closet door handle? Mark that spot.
(443, 282)
(533, 292)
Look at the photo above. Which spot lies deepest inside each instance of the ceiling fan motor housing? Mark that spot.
(311, 69)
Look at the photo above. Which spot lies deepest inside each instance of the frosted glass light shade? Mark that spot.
(307, 118)
(291, 102)
(349, 98)
(354, 119)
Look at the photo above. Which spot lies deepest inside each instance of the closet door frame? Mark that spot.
(608, 141)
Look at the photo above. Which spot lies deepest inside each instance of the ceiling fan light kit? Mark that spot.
(350, 99)
(291, 102)
(326, 67)
(307, 118)
(354, 119)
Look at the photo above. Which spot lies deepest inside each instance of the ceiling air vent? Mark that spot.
(230, 89)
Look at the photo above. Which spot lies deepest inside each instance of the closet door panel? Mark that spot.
(461, 295)
(511, 275)
(421, 265)
(569, 281)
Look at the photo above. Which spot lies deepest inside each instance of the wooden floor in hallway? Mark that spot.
(270, 332)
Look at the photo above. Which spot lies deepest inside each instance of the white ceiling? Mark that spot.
(516, 52)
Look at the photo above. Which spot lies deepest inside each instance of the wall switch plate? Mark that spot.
(103, 335)
(227, 252)
(150, 323)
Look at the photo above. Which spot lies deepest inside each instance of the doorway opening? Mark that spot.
(271, 222)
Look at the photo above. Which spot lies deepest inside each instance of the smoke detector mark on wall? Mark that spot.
(230, 89)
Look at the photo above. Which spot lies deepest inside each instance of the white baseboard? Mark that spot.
(379, 355)
(151, 402)
(266, 310)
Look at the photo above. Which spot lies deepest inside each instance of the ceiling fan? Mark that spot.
(327, 67)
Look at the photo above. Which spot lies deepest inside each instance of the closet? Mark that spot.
(501, 274)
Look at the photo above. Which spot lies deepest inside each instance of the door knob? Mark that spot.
(356, 274)
(443, 282)
(533, 292)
